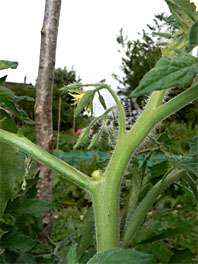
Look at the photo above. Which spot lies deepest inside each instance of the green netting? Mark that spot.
(76, 157)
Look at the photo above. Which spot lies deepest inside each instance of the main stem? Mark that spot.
(106, 191)
(105, 202)
(105, 197)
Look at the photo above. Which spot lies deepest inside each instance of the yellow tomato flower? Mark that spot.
(77, 95)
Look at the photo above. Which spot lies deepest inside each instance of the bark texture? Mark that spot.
(43, 105)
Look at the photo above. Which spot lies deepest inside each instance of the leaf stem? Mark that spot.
(47, 159)
(122, 128)
(156, 99)
(178, 102)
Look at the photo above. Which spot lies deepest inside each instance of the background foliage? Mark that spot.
(62, 77)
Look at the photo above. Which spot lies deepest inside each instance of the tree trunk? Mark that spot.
(43, 105)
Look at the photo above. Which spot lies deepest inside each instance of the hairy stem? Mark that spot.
(156, 99)
(178, 102)
(153, 113)
(99, 86)
(105, 204)
(122, 129)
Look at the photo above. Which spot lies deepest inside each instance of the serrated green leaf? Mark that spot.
(10, 106)
(24, 98)
(8, 173)
(184, 12)
(170, 143)
(102, 101)
(2, 80)
(159, 168)
(84, 101)
(6, 122)
(189, 163)
(9, 219)
(72, 256)
(29, 206)
(183, 16)
(5, 94)
(119, 255)
(4, 64)
(18, 242)
(193, 36)
(168, 72)
(18, 113)
(26, 118)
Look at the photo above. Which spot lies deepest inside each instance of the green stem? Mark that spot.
(105, 204)
(107, 208)
(47, 159)
(104, 115)
(106, 195)
(141, 211)
(156, 99)
(178, 102)
(122, 128)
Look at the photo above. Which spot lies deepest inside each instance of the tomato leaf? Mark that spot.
(168, 72)
(8, 173)
(72, 256)
(4, 64)
(119, 255)
(193, 36)
(5, 94)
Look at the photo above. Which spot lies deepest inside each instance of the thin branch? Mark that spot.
(122, 128)
(178, 102)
